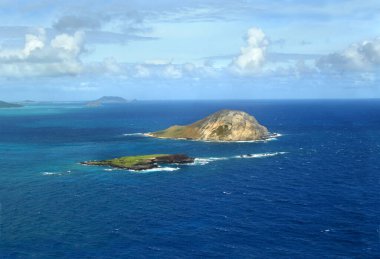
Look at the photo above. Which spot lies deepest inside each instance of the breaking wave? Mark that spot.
(55, 173)
(204, 161)
(271, 137)
(51, 173)
(261, 155)
(207, 160)
(158, 169)
(134, 134)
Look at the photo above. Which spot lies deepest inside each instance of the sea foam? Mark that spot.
(271, 137)
(55, 173)
(51, 173)
(158, 169)
(134, 134)
(261, 155)
(207, 160)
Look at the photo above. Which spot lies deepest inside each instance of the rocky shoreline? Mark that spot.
(139, 163)
(269, 137)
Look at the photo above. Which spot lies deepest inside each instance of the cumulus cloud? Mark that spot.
(43, 57)
(253, 56)
(171, 71)
(142, 71)
(364, 56)
(168, 70)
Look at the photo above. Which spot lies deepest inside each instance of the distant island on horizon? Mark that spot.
(9, 105)
(107, 100)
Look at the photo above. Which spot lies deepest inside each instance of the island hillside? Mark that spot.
(225, 125)
(107, 100)
(9, 105)
(144, 162)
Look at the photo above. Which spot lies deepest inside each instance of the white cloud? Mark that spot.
(71, 44)
(41, 57)
(32, 43)
(364, 56)
(171, 71)
(142, 71)
(252, 57)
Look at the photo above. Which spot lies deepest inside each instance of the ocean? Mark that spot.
(312, 192)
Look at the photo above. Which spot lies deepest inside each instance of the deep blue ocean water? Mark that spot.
(320, 198)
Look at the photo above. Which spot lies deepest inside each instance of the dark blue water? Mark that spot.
(319, 199)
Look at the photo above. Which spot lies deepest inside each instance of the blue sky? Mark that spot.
(190, 49)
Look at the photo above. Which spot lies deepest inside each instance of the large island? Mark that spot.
(225, 125)
(138, 163)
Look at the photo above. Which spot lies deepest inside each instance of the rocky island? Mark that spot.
(107, 100)
(9, 105)
(138, 163)
(225, 125)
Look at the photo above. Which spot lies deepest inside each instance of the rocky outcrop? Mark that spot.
(138, 163)
(173, 159)
(225, 125)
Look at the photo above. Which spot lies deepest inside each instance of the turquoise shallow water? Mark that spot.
(319, 198)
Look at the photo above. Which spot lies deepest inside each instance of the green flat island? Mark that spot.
(142, 162)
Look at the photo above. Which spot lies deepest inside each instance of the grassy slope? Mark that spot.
(176, 131)
(129, 161)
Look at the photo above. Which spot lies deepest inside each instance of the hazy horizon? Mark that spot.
(200, 100)
(209, 49)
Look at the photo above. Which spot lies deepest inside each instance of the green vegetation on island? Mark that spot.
(143, 162)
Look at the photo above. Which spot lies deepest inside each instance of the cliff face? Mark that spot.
(225, 125)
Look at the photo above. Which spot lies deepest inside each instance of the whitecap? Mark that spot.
(158, 169)
(134, 134)
(51, 173)
(261, 155)
(271, 137)
(204, 161)
(207, 160)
